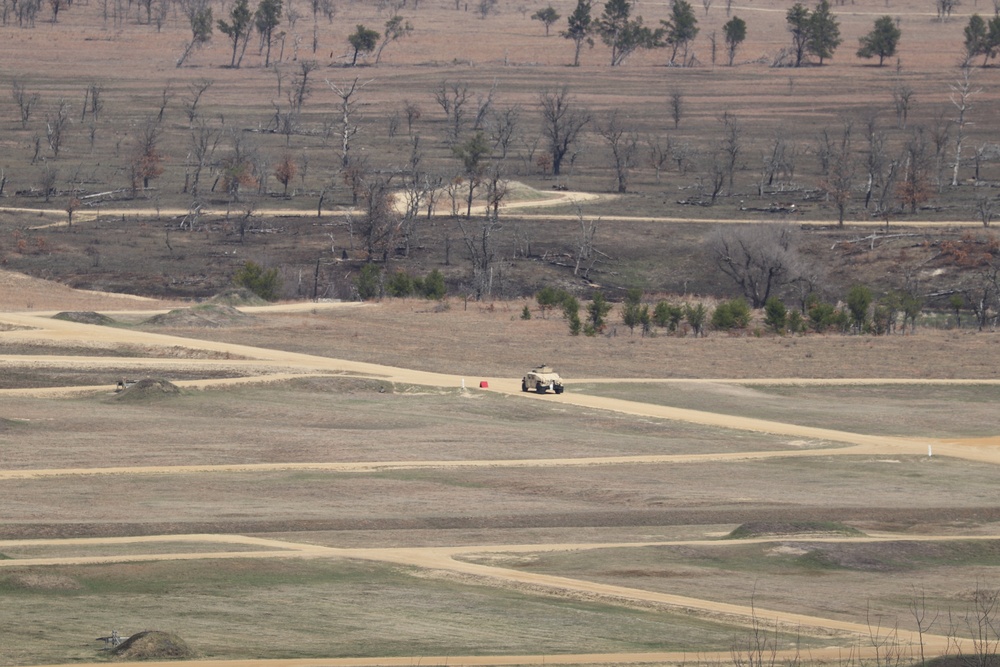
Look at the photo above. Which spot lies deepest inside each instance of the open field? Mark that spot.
(302, 501)
(325, 484)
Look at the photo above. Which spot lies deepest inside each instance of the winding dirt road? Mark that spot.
(268, 365)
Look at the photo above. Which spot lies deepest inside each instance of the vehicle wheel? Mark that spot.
(540, 389)
(524, 386)
(559, 389)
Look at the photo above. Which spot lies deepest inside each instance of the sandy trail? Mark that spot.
(551, 199)
(448, 560)
(282, 364)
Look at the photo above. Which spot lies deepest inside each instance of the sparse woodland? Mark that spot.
(401, 134)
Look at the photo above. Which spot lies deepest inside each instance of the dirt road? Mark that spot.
(275, 364)
(447, 561)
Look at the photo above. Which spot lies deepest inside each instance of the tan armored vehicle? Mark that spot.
(541, 379)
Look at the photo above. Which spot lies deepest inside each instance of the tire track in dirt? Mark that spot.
(63, 331)
(444, 559)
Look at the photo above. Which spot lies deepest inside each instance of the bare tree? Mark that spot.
(325, 7)
(586, 255)
(452, 97)
(824, 151)
(195, 90)
(681, 153)
(945, 8)
(165, 96)
(380, 223)
(986, 208)
(840, 181)
(562, 123)
(940, 134)
(285, 172)
(484, 105)
(503, 126)
(486, 7)
(716, 177)
(93, 102)
(146, 161)
(676, 101)
(47, 181)
(624, 144)
(481, 243)
(496, 188)
(417, 189)
(238, 167)
(902, 100)
(779, 163)
(659, 153)
(732, 144)
(474, 154)
(56, 122)
(982, 622)
(25, 101)
(882, 171)
(961, 97)
(348, 116)
(915, 187)
(918, 609)
(759, 647)
(413, 113)
(759, 258)
(885, 641)
(204, 141)
(300, 84)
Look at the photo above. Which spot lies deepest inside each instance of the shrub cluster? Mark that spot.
(372, 283)
(861, 313)
(265, 283)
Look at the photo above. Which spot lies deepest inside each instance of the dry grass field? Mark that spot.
(357, 514)
(328, 485)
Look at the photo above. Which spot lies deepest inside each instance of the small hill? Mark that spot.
(85, 317)
(147, 389)
(205, 315)
(152, 645)
(237, 296)
(787, 528)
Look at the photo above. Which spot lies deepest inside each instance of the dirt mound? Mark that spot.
(152, 645)
(238, 296)
(85, 317)
(778, 528)
(146, 389)
(205, 315)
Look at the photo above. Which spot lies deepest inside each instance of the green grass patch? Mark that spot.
(313, 608)
(86, 317)
(771, 529)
